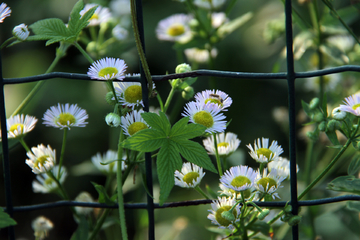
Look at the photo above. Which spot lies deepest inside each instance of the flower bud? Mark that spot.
(91, 47)
(332, 125)
(312, 135)
(113, 120)
(21, 32)
(263, 214)
(322, 126)
(314, 103)
(318, 117)
(294, 220)
(338, 114)
(109, 97)
(183, 68)
(188, 93)
(228, 215)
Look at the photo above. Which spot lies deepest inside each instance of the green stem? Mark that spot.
(139, 46)
(7, 42)
(21, 140)
(62, 150)
(218, 161)
(198, 189)
(99, 224)
(171, 94)
(120, 192)
(83, 52)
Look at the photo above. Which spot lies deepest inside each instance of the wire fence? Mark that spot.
(289, 76)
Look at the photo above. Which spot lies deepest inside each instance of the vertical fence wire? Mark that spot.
(5, 155)
(145, 96)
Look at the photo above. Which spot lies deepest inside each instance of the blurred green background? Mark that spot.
(252, 117)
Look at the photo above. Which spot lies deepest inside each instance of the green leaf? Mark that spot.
(345, 184)
(260, 226)
(353, 206)
(103, 197)
(159, 122)
(354, 166)
(347, 14)
(324, 104)
(76, 22)
(195, 153)
(332, 137)
(168, 161)
(5, 219)
(52, 29)
(188, 82)
(146, 140)
(188, 131)
(306, 108)
(82, 232)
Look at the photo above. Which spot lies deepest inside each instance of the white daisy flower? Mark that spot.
(4, 12)
(214, 96)
(174, 28)
(129, 93)
(269, 183)
(218, 19)
(21, 32)
(226, 144)
(87, 198)
(282, 165)
(18, 126)
(120, 33)
(200, 55)
(101, 14)
(352, 105)
(41, 159)
(107, 69)
(208, 115)
(263, 153)
(41, 226)
(120, 7)
(45, 184)
(221, 205)
(106, 157)
(239, 179)
(209, 4)
(65, 116)
(190, 175)
(133, 122)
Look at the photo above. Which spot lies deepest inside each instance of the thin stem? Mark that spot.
(21, 140)
(120, 192)
(83, 52)
(139, 46)
(62, 150)
(171, 94)
(198, 189)
(218, 160)
(7, 42)
(99, 224)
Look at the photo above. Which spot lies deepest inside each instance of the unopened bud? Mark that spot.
(263, 214)
(332, 125)
(313, 136)
(188, 93)
(322, 126)
(294, 220)
(183, 68)
(113, 120)
(318, 117)
(109, 97)
(228, 215)
(338, 114)
(314, 103)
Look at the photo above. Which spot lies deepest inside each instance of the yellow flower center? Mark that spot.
(108, 71)
(267, 182)
(265, 152)
(135, 127)
(15, 127)
(240, 181)
(48, 181)
(204, 118)
(223, 144)
(41, 161)
(66, 119)
(356, 106)
(176, 30)
(133, 94)
(94, 16)
(190, 177)
(222, 221)
(214, 100)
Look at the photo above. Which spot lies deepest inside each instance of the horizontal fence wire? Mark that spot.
(277, 204)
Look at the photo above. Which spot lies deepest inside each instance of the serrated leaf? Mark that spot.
(354, 166)
(103, 197)
(159, 122)
(188, 131)
(146, 140)
(195, 153)
(78, 22)
(5, 219)
(50, 29)
(345, 184)
(167, 162)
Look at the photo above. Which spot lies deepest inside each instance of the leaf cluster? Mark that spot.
(173, 143)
